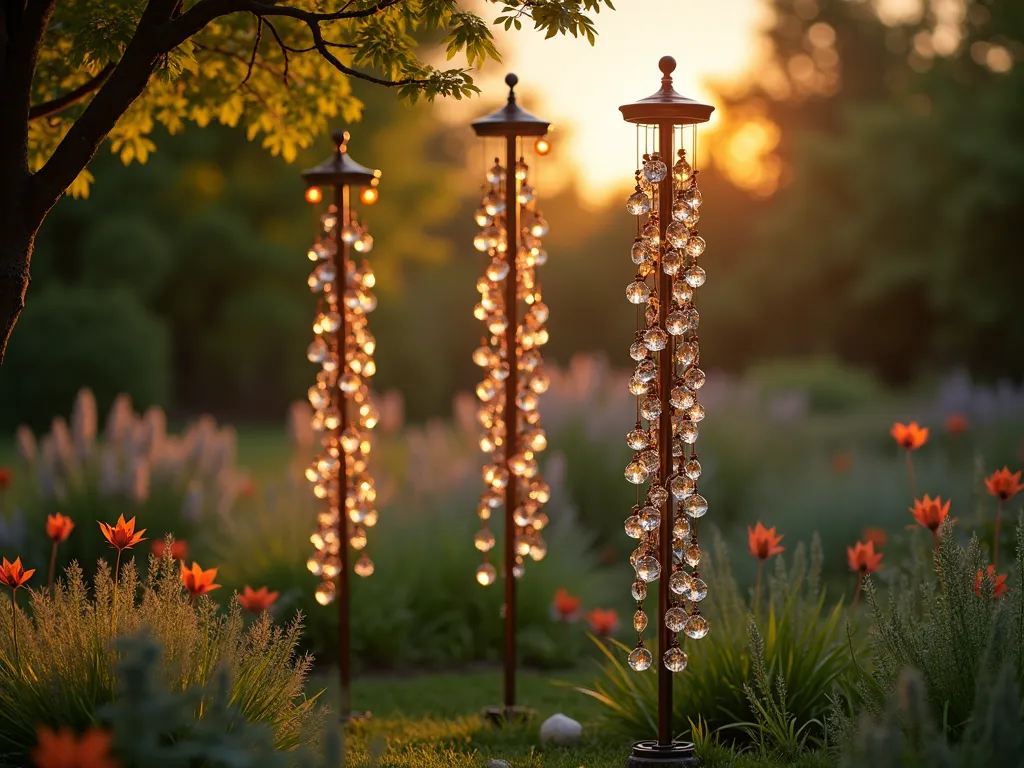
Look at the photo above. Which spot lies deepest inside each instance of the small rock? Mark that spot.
(561, 730)
(495, 763)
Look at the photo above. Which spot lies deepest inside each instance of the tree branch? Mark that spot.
(61, 103)
(124, 85)
(255, 48)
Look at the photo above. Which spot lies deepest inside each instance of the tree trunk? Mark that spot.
(17, 238)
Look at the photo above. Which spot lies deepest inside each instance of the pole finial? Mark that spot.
(667, 65)
(511, 80)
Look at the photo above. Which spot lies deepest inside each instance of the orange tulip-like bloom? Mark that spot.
(764, 543)
(956, 424)
(197, 581)
(62, 749)
(930, 512)
(999, 588)
(565, 607)
(909, 436)
(58, 527)
(5, 478)
(603, 622)
(123, 535)
(179, 549)
(876, 536)
(257, 600)
(1003, 484)
(863, 558)
(13, 575)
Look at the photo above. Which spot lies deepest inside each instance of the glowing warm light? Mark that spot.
(314, 195)
(744, 149)
(369, 195)
(542, 145)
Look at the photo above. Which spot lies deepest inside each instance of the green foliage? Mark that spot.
(156, 725)
(790, 673)
(452, 618)
(125, 251)
(73, 337)
(171, 483)
(282, 73)
(828, 384)
(908, 736)
(937, 625)
(64, 670)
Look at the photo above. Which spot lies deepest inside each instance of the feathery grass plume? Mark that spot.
(26, 443)
(172, 484)
(803, 644)
(938, 625)
(68, 656)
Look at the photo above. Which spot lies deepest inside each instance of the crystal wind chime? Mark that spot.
(521, 468)
(343, 410)
(514, 317)
(666, 381)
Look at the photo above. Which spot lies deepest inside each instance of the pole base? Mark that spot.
(507, 715)
(354, 717)
(650, 754)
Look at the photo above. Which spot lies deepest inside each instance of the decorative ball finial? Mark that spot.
(667, 65)
(511, 80)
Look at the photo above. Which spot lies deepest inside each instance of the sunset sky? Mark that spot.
(579, 88)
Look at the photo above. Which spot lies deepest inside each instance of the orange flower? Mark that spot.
(603, 622)
(841, 463)
(62, 749)
(247, 488)
(763, 541)
(197, 581)
(565, 607)
(863, 558)
(999, 588)
(930, 512)
(58, 527)
(256, 600)
(179, 549)
(1003, 484)
(5, 478)
(956, 424)
(13, 575)
(909, 436)
(123, 535)
(876, 536)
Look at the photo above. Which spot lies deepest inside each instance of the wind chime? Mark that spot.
(667, 252)
(514, 317)
(343, 409)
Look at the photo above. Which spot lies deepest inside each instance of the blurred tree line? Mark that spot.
(891, 241)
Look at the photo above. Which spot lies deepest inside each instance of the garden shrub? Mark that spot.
(422, 605)
(936, 623)
(803, 646)
(174, 484)
(828, 384)
(63, 673)
(106, 341)
(125, 250)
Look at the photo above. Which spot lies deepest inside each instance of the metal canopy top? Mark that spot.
(339, 169)
(511, 120)
(666, 106)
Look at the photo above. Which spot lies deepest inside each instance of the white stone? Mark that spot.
(495, 763)
(561, 730)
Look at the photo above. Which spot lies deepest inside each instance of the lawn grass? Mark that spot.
(434, 721)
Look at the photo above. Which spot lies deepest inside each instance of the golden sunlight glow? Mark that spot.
(744, 149)
(580, 88)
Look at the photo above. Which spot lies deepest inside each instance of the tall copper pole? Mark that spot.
(339, 173)
(665, 110)
(511, 122)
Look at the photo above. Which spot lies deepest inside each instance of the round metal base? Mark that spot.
(354, 717)
(649, 754)
(507, 715)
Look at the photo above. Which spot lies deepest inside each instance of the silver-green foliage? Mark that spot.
(935, 622)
